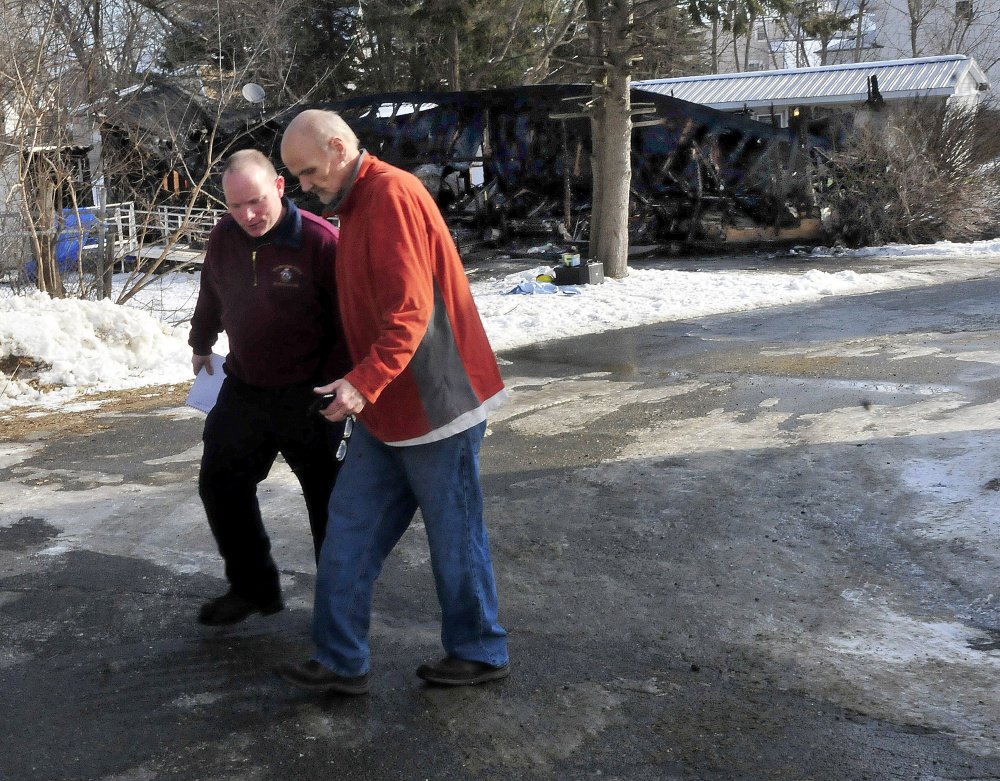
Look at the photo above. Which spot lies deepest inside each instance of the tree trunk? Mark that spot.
(456, 79)
(859, 36)
(41, 206)
(613, 172)
(715, 44)
(746, 45)
(105, 244)
(49, 278)
(595, 31)
(616, 175)
(915, 12)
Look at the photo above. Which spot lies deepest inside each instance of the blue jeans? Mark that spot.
(378, 490)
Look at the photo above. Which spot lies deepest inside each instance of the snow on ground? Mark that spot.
(53, 351)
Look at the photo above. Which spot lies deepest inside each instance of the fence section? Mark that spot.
(167, 235)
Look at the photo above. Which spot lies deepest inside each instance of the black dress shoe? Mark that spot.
(461, 672)
(313, 676)
(231, 608)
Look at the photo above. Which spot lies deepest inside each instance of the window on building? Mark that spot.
(963, 10)
(777, 119)
(762, 32)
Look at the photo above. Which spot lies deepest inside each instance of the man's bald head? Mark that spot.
(319, 127)
(320, 148)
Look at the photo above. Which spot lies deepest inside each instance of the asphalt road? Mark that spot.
(758, 546)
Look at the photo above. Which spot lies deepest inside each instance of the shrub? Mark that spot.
(912, 175)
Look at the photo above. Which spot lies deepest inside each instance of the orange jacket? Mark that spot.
(420, 352)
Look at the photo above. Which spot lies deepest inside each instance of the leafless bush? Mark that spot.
(15, 249)
(914, 176)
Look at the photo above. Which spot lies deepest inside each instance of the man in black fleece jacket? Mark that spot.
(268, 281)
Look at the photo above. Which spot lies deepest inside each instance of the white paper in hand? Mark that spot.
(205, 389)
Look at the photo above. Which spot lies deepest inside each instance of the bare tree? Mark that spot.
(861, 23)
(972, 28)
(87, 128)
(38, 92)
(62, 60)
(814, 24)
(920, 28)
(917, 13)
(730, 26)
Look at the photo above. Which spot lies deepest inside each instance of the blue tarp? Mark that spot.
(530, 287)
(78, 227)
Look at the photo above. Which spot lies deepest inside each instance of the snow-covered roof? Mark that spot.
(946, 76)
(851, 43)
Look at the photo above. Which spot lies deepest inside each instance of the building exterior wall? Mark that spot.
(12, 139)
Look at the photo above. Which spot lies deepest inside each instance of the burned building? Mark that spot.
(505, 163)
(509, 164)
(159, 138)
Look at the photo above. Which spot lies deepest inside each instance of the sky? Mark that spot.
(76, 348)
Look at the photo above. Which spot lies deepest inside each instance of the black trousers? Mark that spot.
(243, 435)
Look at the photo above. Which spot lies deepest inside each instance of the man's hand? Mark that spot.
(346, 402)
(198, 361)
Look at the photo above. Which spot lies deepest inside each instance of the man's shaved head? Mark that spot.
(320, 149)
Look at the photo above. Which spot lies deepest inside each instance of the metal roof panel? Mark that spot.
(924, 76)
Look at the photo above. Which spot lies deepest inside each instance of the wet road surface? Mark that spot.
(753, 546)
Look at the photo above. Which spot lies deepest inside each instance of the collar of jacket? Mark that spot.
(288, 232)
(345, 192)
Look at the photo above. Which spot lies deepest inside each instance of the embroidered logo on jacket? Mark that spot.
(287, 276)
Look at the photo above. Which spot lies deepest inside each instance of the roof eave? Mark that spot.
(814, 100)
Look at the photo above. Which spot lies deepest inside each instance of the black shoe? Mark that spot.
(461, 672)
(314, 677)
(231, 608)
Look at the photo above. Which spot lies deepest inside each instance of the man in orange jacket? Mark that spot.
(424, 378)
